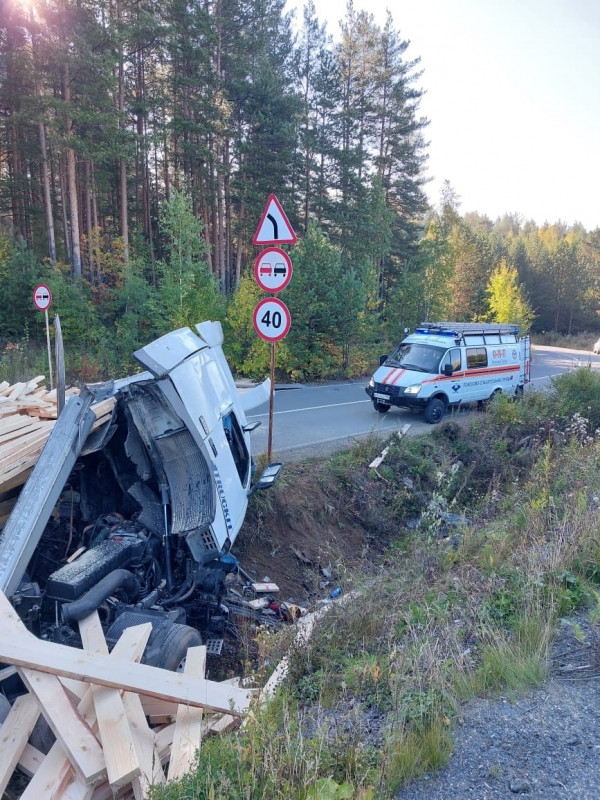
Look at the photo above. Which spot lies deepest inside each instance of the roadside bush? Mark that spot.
(578, 392)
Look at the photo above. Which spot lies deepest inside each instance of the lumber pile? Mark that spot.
(28, 412)
(120, 725)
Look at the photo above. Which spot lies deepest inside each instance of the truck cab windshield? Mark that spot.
(418, 357)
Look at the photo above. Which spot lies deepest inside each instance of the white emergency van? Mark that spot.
(443, 364)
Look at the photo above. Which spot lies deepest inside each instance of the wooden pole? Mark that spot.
(271, 398)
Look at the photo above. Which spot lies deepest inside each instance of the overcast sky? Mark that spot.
(513, 98)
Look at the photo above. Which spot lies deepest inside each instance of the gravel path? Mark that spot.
(544, 746)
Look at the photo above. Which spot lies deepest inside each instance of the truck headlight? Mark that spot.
(372, 383)
(415, 389)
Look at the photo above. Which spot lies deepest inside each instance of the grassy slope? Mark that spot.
(462, 604)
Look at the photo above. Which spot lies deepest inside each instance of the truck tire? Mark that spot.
(381, 407)
(175, 645)
(435, 410)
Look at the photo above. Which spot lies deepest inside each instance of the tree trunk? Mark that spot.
(72, 182)
(122, 163)
(43, 153)
(47, 197)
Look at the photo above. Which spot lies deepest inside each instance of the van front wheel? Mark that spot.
(435, 410)
(381, 407)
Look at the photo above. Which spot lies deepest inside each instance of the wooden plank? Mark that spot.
(56, 776)
(14, 734)
(59, 659)
(17, 476)
(7, 672)
(222, 724)
(130, 647)
(32, 384)
(122, 764)
(15, 425)
(16, 390)
(30, 760)
(104, 407)
(72, 732)
(187, 737)
(70, 729)
(31, 442)
(51, 777)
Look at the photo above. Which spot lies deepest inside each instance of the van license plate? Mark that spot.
(381, 396)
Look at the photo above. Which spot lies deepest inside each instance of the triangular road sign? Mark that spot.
(274, 226)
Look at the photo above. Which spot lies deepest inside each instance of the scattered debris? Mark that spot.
(301, 556)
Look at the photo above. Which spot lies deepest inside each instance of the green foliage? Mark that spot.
(72, 300)
(578, 391)
(18, 277)
(326, 305)
(137, 317)
(506, 300)
(412, 754)
(572, 592)
(248, 354)
(328, 789)
(188, 291)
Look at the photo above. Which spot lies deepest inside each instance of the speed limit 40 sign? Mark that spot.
(272, 319)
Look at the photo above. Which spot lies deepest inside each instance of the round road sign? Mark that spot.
(273, 269)
(42, 297)
(272, 319)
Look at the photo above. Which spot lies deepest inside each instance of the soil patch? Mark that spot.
(305, 536)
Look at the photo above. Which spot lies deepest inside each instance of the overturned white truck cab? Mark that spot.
(137, 518)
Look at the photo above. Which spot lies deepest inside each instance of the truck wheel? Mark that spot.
(174, 648)
(435, 410)
(381, 407)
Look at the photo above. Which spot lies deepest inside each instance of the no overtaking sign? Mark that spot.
(42, 297)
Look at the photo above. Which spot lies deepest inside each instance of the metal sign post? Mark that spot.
(42, 300)
(272, 272)
(271, 404)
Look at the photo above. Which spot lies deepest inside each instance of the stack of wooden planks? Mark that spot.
(117, 722)
(28, 412)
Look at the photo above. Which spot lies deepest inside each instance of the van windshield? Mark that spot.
(420, 357)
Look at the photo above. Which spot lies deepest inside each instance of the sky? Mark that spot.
(512, 95)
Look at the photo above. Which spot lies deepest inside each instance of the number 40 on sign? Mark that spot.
(272, 319)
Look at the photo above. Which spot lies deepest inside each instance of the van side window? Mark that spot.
(451, 357)
(476, 357)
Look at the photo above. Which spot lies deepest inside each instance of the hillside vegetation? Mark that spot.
(476, 540)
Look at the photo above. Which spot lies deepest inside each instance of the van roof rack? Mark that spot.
(462, 328)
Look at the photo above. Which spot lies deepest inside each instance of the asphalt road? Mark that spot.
(311, 420)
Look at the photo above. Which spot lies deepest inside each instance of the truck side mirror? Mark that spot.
(382, 360)
(268, 478)
(448, 370)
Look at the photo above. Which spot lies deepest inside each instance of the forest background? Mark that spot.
(139, 142)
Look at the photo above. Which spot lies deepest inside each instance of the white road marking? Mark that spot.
(313, 408)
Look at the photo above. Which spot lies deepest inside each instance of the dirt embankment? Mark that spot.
(305, 536)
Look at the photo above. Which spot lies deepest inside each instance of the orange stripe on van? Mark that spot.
(475, 373)
(394, 376)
